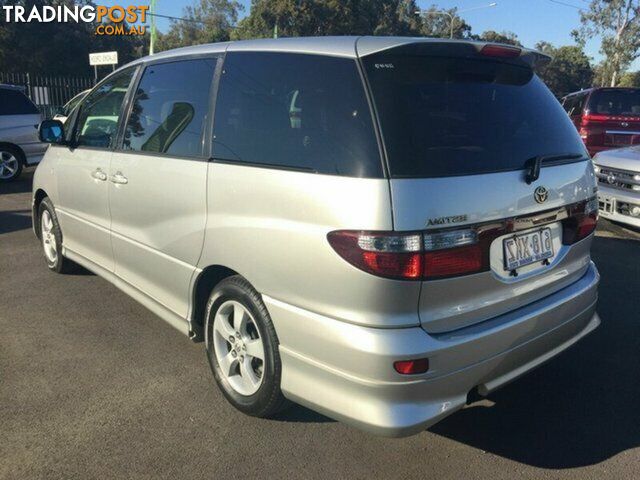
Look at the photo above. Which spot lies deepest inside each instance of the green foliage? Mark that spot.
(207, 21)
(630, 79)
(329, 17)
(59, 48)
(569, 71)
(617, 23)
(437, 23)
(508, 38)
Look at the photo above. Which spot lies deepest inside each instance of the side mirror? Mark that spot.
(51, 131)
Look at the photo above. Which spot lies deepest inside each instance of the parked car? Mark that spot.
(69, 106)
(19, 143)
(618, 173)
(606, 118)
(372, 227)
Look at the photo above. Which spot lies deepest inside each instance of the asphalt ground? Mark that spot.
(93, 385)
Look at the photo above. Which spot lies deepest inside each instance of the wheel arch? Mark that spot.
(38, 196)
(204, 284)
(17, 148)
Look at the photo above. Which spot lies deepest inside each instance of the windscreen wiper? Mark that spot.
(533, 164)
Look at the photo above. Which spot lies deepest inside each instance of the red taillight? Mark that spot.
(385, 254)
(582, 221)
(501, 51)
(413, 256)
(599, 118)
(434, 255)
(412, 367)
(454, 261)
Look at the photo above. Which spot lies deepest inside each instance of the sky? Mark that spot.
(531, 20)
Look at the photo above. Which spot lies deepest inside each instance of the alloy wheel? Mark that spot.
(9, 165)
(238, 347)
(48, 237)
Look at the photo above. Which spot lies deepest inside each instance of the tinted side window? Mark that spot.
(14, 102)
(569, 105)
(71, 104)
(170, 107)
(580, 104)
(100, 112)
(306, 112)
(574, 104)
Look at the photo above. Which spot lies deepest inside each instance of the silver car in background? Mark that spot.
(372, 227)
(19, 143)
(618, 173)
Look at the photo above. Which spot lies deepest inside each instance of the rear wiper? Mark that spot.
(533, 164)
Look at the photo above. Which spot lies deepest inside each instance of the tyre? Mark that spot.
(242, 348)
(11, 163)
(51, 238)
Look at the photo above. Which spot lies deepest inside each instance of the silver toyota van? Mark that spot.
(375, 228)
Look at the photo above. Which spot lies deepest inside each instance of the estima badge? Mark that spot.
(541, 194)
(447, 220)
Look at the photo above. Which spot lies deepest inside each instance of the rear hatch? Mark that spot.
(467, 132)
(612, 118)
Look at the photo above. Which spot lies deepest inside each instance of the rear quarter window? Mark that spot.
(574, 104)
(14, 102)
(446, 116)
(298, 111)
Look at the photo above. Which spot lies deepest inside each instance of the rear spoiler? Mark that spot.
(366, 46)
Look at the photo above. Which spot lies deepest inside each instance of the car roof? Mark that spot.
(341, 46)
(597, 89)
(12, 87)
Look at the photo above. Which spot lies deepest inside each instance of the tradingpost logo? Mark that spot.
(114, 20)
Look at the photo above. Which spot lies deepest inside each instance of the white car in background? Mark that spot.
(618, 173)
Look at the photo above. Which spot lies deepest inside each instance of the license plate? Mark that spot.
(521, 250)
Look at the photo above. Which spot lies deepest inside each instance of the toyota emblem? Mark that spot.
(611, 179)
(624, 124)
(541, 194)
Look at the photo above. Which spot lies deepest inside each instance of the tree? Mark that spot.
(207, 21)
(617, 22)
(568, 71)
(508, 38)
(301, 18)
(57, 48)
(630, 79)
(398, 18)
(439, 23)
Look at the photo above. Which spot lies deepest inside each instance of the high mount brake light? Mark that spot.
(433, 255)
(501, 51)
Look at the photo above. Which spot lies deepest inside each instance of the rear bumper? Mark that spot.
(610, 199)
(346, 371)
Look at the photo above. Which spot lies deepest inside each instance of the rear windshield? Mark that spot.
(445, 116)
(615, 102)
(14, 102)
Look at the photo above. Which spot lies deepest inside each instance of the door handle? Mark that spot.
(119, 178)
(99, 174)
